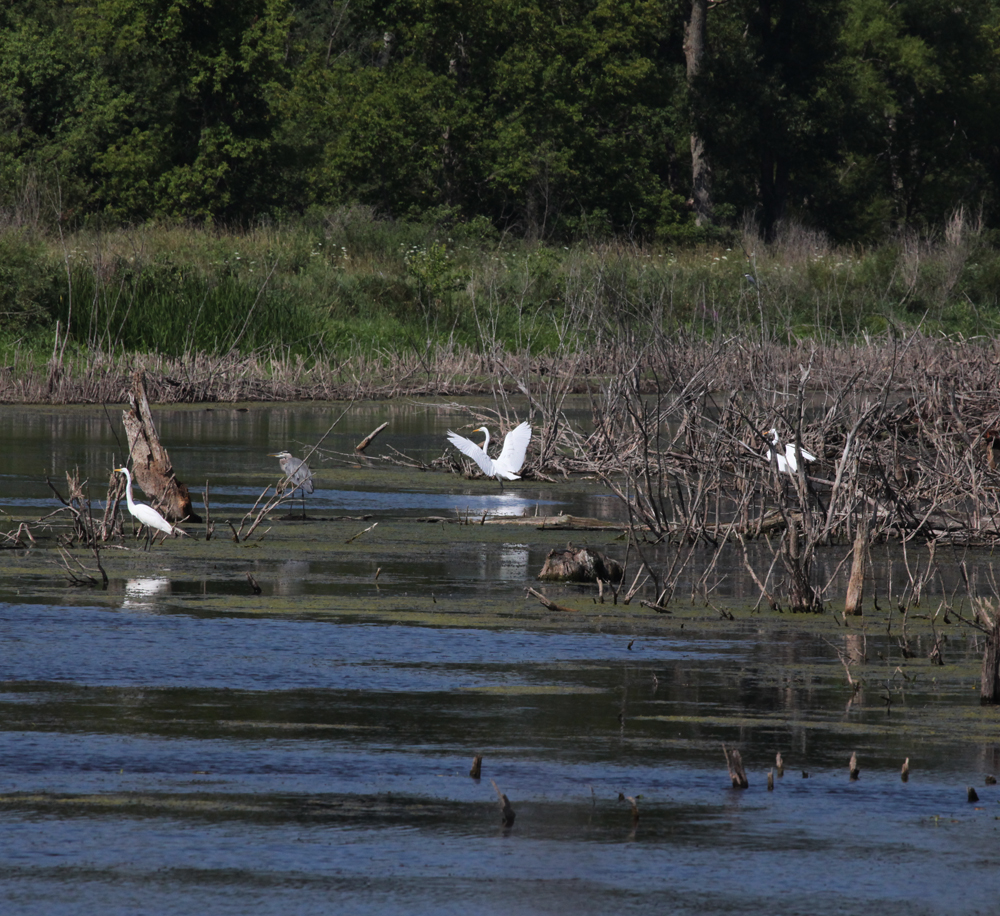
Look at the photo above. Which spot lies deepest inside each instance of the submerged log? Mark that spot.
(580, 564)
(151, 465)
(547, 602)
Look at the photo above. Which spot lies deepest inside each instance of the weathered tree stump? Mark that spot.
(972, 794)
(779, 764)
(477, 766)
(151, 465)
(580, 564)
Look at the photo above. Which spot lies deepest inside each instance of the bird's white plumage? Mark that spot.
(143, 514)
(787, 462)
(515, 445)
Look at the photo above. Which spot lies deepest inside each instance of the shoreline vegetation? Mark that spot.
(351, 305)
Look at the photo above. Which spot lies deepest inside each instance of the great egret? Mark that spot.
(297, 472)
(515, 444)
(143, 514)
(787, 462)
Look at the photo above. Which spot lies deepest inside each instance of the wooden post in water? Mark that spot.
(904, 773)
(856, 584)
(989, 689)
(506, 811)
(477, 766)
(736, 772)
(855, 769)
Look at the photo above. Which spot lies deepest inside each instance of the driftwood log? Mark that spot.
(580, 564)
(151, 465)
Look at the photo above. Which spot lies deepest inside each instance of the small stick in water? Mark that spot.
(253, 584)
(855, 769)
(904, 773)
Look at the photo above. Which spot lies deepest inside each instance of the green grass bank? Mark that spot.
(348, 284)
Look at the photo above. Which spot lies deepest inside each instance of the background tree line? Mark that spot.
(547, 118)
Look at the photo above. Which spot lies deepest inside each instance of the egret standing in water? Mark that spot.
(515, 444)
(297, 472)
(787, 462)
(143, 514)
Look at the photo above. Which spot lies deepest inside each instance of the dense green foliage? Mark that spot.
(563, 120)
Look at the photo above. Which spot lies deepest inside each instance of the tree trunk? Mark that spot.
(151, 465)
(701, 172)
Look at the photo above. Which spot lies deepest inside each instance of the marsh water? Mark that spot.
(176, 743)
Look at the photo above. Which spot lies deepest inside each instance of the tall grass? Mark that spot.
(347, 283)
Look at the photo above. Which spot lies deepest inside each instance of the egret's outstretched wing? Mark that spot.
(791, 460)
(514, 447)
(467, 447)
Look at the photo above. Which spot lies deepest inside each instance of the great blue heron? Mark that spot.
(788, 462)
(515, 444)
(297, 473)
(143, 514)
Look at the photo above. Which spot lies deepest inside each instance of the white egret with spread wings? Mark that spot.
(515, 445)
(787, 463)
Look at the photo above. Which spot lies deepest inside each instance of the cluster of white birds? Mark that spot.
(505, 467)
